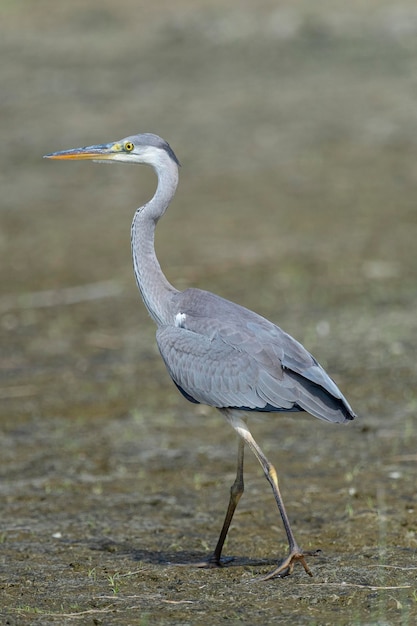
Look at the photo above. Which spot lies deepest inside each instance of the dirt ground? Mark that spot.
(296, 127)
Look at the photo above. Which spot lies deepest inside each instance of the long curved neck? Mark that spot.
(154, 287)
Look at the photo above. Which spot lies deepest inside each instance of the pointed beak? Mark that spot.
(102, 152)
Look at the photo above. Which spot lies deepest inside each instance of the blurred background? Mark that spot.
(296, 128)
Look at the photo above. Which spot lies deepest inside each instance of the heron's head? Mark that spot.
(146, 148)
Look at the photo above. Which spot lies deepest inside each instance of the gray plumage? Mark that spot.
(229, 357)
(219, 353)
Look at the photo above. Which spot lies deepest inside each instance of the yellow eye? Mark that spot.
(129, 146)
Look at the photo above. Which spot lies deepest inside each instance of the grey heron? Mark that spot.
(217, 352)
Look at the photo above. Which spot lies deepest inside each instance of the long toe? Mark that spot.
(286, 567)
(210, 562)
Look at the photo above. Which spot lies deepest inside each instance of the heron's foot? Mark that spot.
(210, 562)
(286, 567)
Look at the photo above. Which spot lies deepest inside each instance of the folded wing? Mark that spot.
(226, 356)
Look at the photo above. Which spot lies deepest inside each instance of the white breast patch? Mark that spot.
(180, 320)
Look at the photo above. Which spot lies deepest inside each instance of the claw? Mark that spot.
(210, 563)
(286, 567)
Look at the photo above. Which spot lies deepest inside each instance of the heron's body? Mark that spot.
(217, 352)
(224, 355)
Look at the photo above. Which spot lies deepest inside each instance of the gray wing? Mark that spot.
(226, 356)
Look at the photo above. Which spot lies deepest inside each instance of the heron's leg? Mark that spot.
(295, 553)
(236, 491)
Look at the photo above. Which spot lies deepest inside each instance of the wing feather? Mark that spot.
(227, 356)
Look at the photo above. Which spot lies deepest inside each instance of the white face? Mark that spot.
(139, 154)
